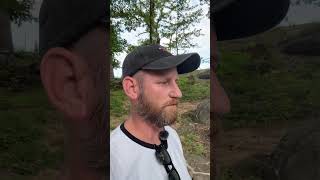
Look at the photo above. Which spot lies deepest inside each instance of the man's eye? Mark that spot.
(163, 82)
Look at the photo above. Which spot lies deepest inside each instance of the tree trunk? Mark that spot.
(5, 32)
(111, 72)
(6, 46)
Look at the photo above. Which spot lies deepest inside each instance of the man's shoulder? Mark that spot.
(171, 131)
(116, 136)
(115, 132)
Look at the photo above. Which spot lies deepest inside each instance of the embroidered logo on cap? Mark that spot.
(163, 49)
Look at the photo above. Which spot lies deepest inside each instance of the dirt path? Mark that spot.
(239, 144)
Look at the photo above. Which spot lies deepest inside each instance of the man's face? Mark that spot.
(158, 97)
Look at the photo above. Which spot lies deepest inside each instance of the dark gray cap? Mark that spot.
(63, 22)
(156, 57)
(241, 18)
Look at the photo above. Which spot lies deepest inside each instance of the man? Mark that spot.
(73, 44)
(232, 19)
(145, 146)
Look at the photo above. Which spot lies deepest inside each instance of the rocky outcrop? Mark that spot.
(202, 112)
(308, 45)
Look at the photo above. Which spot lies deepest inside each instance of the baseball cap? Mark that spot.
(156, 57)
(241, 18)
(62, 22)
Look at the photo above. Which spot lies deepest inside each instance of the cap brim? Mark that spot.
(244, 18)
(185, 63)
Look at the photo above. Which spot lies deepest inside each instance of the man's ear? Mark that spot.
(130, 87)
(63, 75)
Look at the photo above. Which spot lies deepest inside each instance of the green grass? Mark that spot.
(191, 143)
(23, 144)
(117, 103)
(263, 91)
(193, 89)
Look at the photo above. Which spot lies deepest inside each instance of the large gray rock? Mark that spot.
(204, 75)
(202, 112)
(297, 157)
(307, 45)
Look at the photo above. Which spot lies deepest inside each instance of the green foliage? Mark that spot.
(177, 29)
(18, 10)
(160, 19)
(118, 44)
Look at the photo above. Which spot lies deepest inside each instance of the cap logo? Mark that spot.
(163, 49)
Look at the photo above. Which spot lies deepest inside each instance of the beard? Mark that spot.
(154, 115)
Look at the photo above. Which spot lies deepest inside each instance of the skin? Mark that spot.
(220, 103)
(161, 91)
(219, 98)
(75, 82)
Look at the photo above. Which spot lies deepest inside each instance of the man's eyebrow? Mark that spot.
(171, 78)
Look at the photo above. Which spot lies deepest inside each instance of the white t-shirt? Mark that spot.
(133, 159)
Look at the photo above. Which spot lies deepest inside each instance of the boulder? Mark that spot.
(308, 45)
(202, 112)
(204, 75)
(297, 156)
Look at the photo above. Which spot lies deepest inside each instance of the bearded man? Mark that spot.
(145, 146)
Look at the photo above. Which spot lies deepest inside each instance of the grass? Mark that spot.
(117, 103)
(192, 88)
(24, 148)
(263, 91)
(192, 144)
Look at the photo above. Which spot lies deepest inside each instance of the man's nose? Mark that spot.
(176, 92)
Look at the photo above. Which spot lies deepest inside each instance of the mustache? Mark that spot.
(173, 102)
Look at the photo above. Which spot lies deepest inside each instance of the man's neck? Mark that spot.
(142, 130)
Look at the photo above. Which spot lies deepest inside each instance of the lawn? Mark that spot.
(27, 125)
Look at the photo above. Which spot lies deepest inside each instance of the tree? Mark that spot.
(207, 2)
(160, 19)
(177, 29)
(118, 44)
(17, 11)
